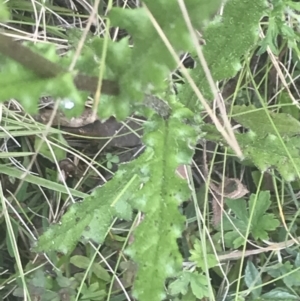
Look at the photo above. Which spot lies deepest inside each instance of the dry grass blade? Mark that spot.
(231, 140)
(274, 247)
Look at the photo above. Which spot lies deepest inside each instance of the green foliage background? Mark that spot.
(149, 184)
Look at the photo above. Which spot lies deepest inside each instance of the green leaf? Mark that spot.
(258, 121)
(271, 152)
(92, 292)
(4, 14)
(268, 222)
(199, 12)
(64, 237)
(253, 278)
(292, 280)
(168, 144)
(63, 281)
(278, 27)
(270, 39)
(199, 285)
(91, 218)
(282, 269)
(202, 259)
(261, 222)
(31, 87)
(181, 284)
(220, 42)
(266, 152)
(238, 206)
(112, 158)
(144, 68)
(234, 239)
(294, 5)
(83, 262)
(287, 106)
(155, 247)
(280, 294)
(297, 261)
(189, 296)
(58, 152)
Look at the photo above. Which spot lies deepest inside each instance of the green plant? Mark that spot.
(111, 159)
(128, 80)
(260, 222)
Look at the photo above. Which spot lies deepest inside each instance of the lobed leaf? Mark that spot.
(289, 273)
(199, 285)
(221, 38)
(180, 285)
(267, 151)
(201, 258)
(30, 86)
(258, 121)
(144, 68)
(90, 219)
(155, 247)
(261, 222)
